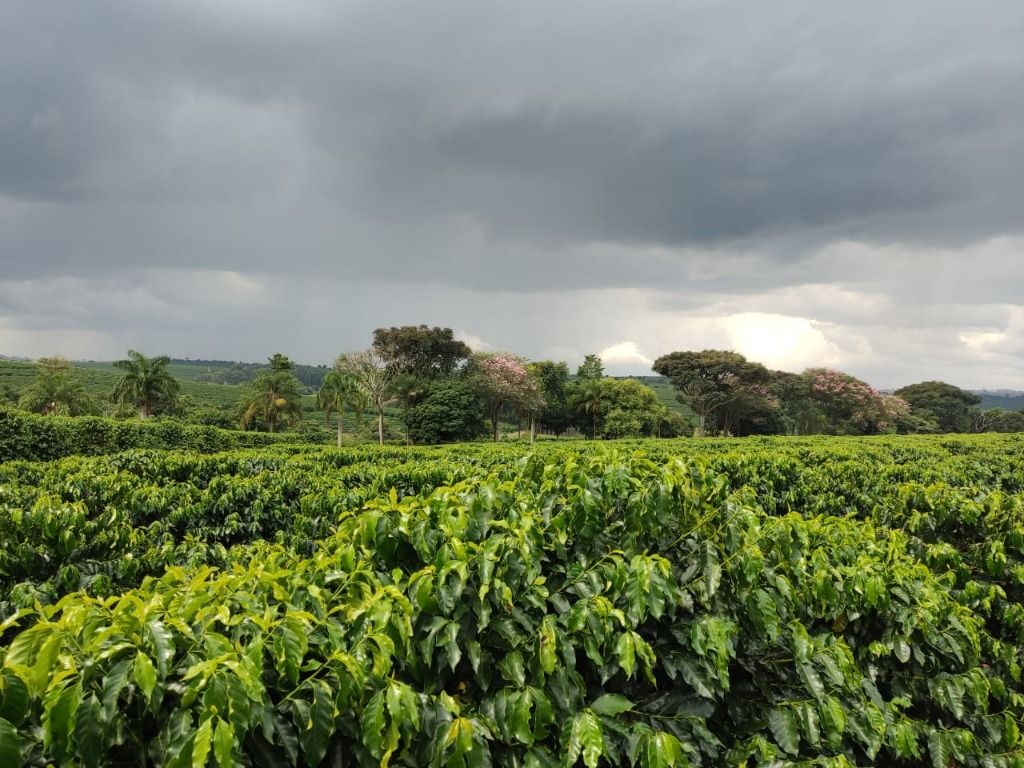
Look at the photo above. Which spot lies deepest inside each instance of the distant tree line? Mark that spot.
(444, 392)
(729, 394)
(310, 376)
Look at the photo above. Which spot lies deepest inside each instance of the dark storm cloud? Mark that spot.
(673, 124)
(647, 166)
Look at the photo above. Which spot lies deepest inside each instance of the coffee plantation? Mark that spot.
(768, 601)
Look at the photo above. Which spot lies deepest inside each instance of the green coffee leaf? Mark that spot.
(785, 729)
(10, 744)
(611, 704)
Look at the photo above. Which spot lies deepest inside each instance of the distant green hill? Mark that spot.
(665, 391)
(99, 380)
(221, 371)
(1011, 400)
(183, 370)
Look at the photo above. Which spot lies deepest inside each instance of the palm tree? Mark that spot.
(55, 391)
(336, 392)
(272, 396)
(587, 399)
(146, 385)
(408, 389)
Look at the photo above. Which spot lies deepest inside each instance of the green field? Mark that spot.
(99, 380)
(667, 394)
(184, 370)
(767, 601)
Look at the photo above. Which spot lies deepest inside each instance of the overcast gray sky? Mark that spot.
(809, 183)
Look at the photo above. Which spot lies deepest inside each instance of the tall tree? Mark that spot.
(147, 385)
(586, 399)
(408, 390)
(273, 397)
(852, 406)
(375, 378)
(591, 368)
(948, 405)
(420, 351)
(799, 412)
(996, 420)
(709, 380)
(337, 392)
(451, 410)
(56, 391)
(279, 362)
(629, 408)
(757, 411)
(553, 380)
(505, 385)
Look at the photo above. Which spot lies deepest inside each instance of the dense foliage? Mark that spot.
(56, 391)
(711, 392)
(146, 386)
(274, 396)
(771, 602)
(27, 436)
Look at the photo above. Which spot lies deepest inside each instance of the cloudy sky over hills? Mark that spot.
(811, 184)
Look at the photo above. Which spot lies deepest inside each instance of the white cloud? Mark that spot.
(475, 343)
(778, 341)
(624, 357)
(982, 343)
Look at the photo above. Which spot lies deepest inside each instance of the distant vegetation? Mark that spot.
(1007, 400)
(28, 436)
(418, 384)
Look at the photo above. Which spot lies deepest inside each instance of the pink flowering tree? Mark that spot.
(895, 412)
(851, 405)
(505, 385)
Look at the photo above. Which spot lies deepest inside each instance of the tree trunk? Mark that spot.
(380, 426)
(142, 413)
(699, 431)
(494, 425)
(339, 429)
(533, 429)
(593, 429)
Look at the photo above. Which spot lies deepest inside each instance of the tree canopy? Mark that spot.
(147, 385)
(375, 378)
(555, 388)
(948, 405)
(56, 391)
(591, 368)
(852, 406)
(449, 411)
(710, 379)
(274, 396)
(419, 350)
(504, 383)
